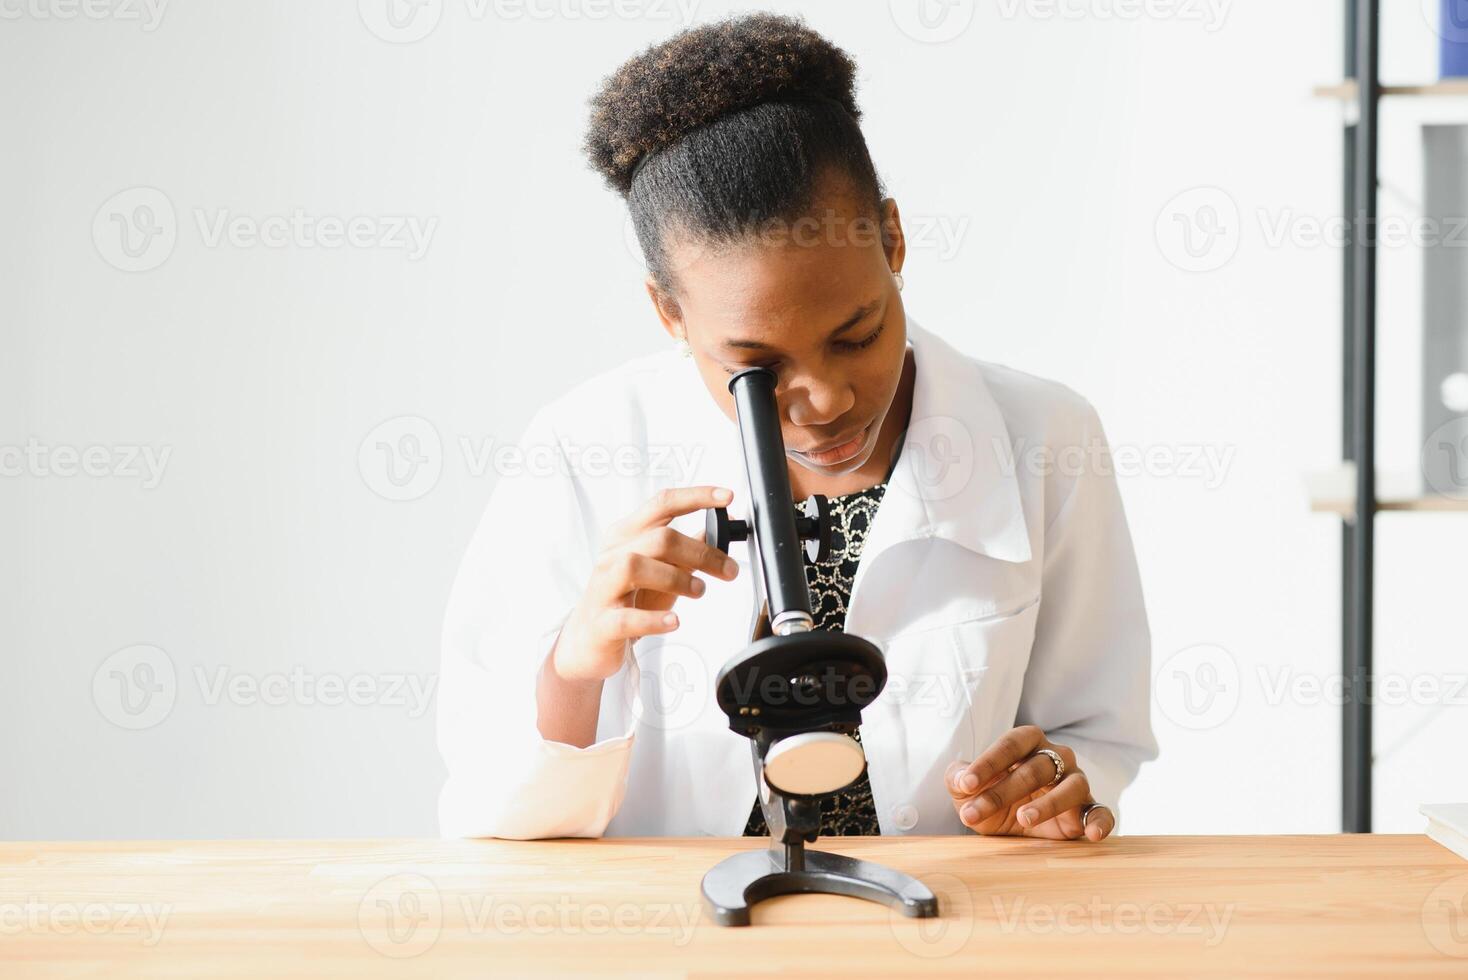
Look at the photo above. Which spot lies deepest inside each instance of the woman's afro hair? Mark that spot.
(703, 74)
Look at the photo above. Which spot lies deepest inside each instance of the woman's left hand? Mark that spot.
(1011, 790)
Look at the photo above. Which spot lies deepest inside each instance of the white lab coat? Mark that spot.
(998, 579)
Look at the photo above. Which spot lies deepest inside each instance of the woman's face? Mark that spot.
(815, 301)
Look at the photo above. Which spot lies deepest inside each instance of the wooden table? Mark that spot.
(1141, 905)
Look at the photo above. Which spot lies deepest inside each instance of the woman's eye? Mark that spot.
(862, 344)
(869, 340)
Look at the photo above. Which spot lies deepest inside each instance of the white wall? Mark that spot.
(1054, 148)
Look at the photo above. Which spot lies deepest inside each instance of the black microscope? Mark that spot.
(795, 692)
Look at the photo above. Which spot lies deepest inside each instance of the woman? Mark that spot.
(979, 536)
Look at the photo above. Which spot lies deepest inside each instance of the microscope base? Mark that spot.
(738, 882)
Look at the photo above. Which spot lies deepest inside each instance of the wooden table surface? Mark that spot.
(1168, 906)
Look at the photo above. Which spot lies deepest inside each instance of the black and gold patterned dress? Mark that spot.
(849, 812)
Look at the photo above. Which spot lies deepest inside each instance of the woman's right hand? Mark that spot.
(643, 568)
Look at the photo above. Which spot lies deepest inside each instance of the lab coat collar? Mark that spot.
(955, 476)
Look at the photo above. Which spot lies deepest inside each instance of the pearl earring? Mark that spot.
(897, 277)
(683, 347)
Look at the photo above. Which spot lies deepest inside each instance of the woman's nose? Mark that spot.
(816, 402)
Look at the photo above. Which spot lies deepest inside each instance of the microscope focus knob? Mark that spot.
(720, 530)
(814, 527)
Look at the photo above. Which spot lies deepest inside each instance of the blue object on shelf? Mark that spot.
(1453, 29)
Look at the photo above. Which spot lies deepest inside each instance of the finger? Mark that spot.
(1100, 825)
(1011, 747)
(1070, 793)
(625, 623)
(622, 572)
(676, 501)
(677, 548)
(1032, 775)
(961, 783)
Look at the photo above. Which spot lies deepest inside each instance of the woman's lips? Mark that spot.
(841, 453)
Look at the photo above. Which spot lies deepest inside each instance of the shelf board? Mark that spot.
(1346, 91)
(1346, 507)
(1333, 492)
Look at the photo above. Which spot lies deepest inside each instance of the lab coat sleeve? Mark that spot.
(525, 569)
(1088, 683)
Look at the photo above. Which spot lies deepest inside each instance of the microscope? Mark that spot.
(795, 692)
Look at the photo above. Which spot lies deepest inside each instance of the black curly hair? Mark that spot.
(725, 127)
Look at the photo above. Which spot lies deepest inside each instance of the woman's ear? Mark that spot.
(894, 242)
(666, 308)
